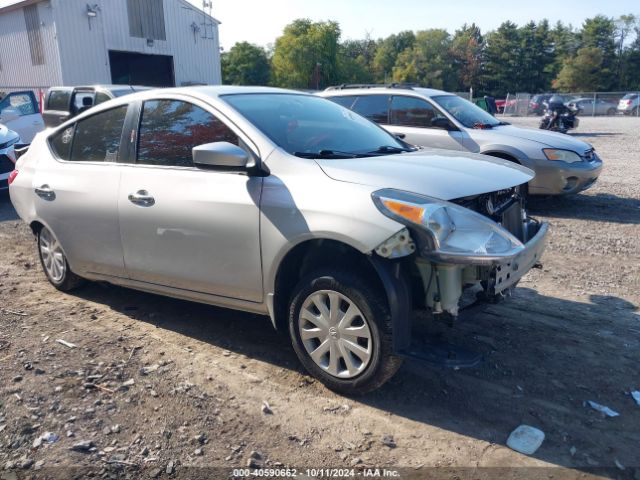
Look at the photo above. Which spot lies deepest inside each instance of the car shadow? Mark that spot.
(604, 207)
(593, 134)
(544, 358)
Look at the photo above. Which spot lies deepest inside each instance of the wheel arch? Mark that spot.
(303, 258)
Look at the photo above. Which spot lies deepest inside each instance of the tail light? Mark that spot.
(12, 176)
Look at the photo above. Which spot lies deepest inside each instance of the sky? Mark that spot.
(262, 21)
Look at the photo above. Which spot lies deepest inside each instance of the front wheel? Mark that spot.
(54, 263)
(340, 327)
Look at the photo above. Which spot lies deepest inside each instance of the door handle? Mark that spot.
(142, 198)
(45, 192)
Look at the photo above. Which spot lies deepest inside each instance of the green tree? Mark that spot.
(466, 56)
(565, 42)
(502, 53)
(245, 64)
(536, 57)
(355, 59)
(306, 55)
(600, 32)
(427, 62)
(582, 73)
(387, 53)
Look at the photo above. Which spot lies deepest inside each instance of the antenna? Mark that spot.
(207, 8)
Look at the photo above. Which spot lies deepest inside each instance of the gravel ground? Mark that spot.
(151, 386)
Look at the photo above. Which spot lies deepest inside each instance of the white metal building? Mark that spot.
(138, 42)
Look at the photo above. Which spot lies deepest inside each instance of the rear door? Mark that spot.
(57, 106)
(19, 111)
(185, 227)
(76, 192)
(414, 118)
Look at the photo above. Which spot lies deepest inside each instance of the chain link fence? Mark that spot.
(588, 104)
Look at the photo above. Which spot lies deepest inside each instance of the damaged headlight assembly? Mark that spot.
(449, 233)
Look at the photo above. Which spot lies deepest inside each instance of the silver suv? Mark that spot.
(437, 119)
(279, 203)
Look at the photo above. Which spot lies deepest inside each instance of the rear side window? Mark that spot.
(94, 139)
(373, 107)
(101, 97)
(412, 112)
(169, 129)
(59, 100)
(346, 101)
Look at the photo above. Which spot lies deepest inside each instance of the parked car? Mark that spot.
(8, 140)
(589, 106)
(63, 103)
(537, 103)
(437, 119)
(280, 203)
(629, 104)
(20, 112)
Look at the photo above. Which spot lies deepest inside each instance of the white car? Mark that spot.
(8, 139)
(20, 112)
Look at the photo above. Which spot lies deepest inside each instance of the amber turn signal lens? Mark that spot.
(412, 213)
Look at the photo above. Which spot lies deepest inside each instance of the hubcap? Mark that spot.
(52, 256)
(335, 334)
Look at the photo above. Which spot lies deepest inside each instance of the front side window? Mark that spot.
(93, 139)
(412, 112)
(23, 103)
(59, 100)
(169, 129)
(468, 114)
(373, 107)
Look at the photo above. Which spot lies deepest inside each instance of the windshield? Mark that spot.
(466, 112)
(309, 126)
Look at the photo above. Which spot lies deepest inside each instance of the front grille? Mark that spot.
(6, 165)
(503, 206)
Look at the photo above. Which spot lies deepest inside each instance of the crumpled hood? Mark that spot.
(6, 135)
(442, 174)
(544, 137)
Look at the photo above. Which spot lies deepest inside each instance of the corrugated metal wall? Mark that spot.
(85, 50)
(29, 56)
(83, 56)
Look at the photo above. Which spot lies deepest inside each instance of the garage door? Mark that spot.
(141, 69)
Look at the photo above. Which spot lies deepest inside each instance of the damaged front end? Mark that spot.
(458, 252)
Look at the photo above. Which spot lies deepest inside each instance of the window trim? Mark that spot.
(133, 130)
(74, 125)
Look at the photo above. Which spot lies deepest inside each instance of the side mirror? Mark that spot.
(219, 155)
(441, 122)
(9, 115)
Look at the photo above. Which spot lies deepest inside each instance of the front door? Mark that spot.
(185, 227)
(19, 111)
(414, 118)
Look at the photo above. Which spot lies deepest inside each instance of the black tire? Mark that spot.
(372, 302)
(69, 280)
(611, 112)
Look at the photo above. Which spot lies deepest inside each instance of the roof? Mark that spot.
(8, 5)
(427, 92)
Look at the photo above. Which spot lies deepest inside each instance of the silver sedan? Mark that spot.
(279, 203)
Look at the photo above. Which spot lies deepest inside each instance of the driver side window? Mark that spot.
(169, 129)
(412, 112)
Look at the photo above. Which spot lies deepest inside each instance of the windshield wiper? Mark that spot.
(328, 154)
(391, 149)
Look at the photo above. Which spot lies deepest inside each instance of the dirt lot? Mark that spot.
(154, 386)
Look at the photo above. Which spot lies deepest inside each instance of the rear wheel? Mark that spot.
(611, 112)
(340, 327)
(54, 263)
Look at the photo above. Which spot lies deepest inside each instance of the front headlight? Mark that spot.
(563, 155)
(454, 230)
